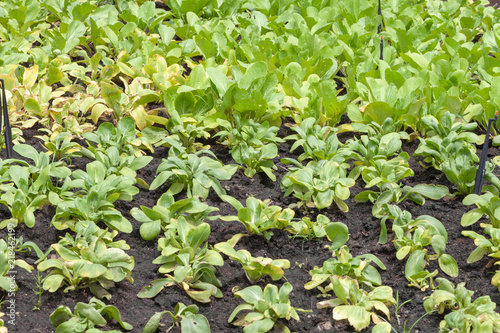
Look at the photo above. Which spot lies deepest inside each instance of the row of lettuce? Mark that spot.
(234, 70)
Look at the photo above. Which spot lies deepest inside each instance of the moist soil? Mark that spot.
(303, 255)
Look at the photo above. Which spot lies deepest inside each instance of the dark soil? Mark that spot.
(303, 255)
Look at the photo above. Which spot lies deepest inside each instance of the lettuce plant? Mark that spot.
(124, 137)
(318, 184)
(487, 204)
(308, 229)
(86, 317)
(484, 246)
(266, 306)
(93, 207)
(255, 268)
(166, 211)
(113, 187)
(357, 305)
(465, 315)
(193, 173)
(118, 165)
(256, 159)
(7, 264)
(60, 146)
(94, 262)
(186, 130)
(258, 217)
(343, 263)
(187, 316)
(252, 133)
(319, 143)
(186, 264)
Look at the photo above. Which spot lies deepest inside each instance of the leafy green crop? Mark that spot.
(465, 315)
(266, 308)
(193, 173)
(355, 304)
(94, 262)
(255, 268)
(258, 217)
(86, 317)
(187, 316)
(8, 263)
(185, 263)
(318, 184)
(167, 211)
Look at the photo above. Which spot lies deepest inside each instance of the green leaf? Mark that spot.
(338, 234)
(194, 324)
(358, 317)
(154, 322)
(219, 80)
(250, 294)
(254, 72)
(448, 265)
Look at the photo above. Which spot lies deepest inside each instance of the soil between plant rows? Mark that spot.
(303, 255)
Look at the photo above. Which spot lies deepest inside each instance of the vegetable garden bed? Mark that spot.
(298, 138)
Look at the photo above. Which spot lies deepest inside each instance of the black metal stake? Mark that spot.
(380, 14)
(478, 184)
(381, 48)
(7, 129)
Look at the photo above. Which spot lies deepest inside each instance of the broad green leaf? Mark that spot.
(338, 234)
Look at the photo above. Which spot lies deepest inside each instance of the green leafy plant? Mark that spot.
(489, 246)
(187, 316)
(8, 263)
(255, 268)
(266, 308)
(186, 264)
(465, 315)
(60, 146)
(318, 184)
(258, 217)
(86, 317)
(371, 147)
(256, 159)
(357, 305)
(112, 186)
(167, 210)
(414, 236)
(95, 207)
(305, 228)
(124, 137)
(94, 262)
(487, 204)
(343, 263)
(193, 173)
(319, 143)
(254, 134)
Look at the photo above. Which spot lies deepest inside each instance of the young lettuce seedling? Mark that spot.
(266, 308)
(187, 316)
(255, 268)
(86, 317)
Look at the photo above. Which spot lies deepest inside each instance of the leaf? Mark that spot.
(250, 294)
(195, 324)
(154, 288)
(219, 80)
(338, 234)
(358, 317)
(448, 265)
(154, 322)
(254, 72)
